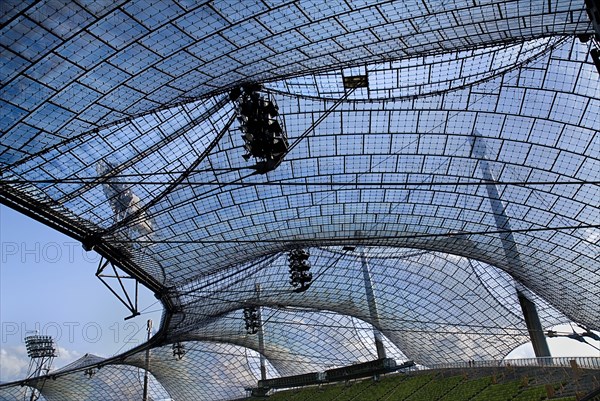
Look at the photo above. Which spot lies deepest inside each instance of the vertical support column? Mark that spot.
(593, 12)
(532, 320)
(536, 331)
(372, 306)
(261, 338)
(147, 362)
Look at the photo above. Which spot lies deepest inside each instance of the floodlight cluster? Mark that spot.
(437, 162)
(300, 277)
(39, 346)
(264, 138)
(251, 319)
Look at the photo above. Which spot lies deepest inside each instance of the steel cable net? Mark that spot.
(85, 380)
(16, 392)
(426, 75)
(297, 340)
(464, 309)
(474, 144)
(207, 371)
(112, 382)
(208, 223)
(69, 68)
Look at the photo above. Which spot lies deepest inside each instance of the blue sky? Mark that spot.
(48, 283)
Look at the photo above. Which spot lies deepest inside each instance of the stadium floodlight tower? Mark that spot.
(41, 351)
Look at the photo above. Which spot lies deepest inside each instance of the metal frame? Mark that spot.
(126, 300)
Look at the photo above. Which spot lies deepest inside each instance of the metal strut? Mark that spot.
(159, 144)
(322, 117)
(174, 183)
(125, 298)
(509, 245)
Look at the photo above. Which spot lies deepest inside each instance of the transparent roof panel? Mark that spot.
(461, 172)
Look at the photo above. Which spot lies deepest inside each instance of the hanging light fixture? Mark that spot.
(263, 135)
(251, 319)
(178, 350)
(300, 277)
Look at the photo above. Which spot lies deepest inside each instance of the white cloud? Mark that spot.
(13, 363)
(566, 347)
(522, 352)
(560, 346)
(64, 357)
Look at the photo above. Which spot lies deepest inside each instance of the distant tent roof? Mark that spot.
(462, 169)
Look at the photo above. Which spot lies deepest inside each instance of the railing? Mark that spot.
(567, 362)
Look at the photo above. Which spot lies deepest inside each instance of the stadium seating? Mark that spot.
(502, 384)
